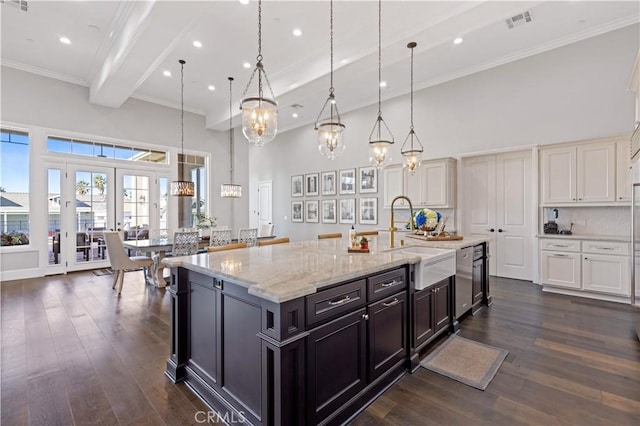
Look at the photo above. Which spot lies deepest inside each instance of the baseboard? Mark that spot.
(21, 274)
(588, 295)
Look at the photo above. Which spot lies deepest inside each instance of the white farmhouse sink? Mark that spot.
(435, 264)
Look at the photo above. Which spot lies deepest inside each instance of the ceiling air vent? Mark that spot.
(519, 19)
(20, 4)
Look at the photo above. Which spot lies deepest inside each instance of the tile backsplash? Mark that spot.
(603, 221)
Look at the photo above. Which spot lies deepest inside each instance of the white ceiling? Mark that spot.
(119, 49)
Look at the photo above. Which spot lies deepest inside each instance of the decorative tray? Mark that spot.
(443, 236)
(357, 250)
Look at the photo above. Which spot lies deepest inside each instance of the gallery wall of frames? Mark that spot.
(331, 197)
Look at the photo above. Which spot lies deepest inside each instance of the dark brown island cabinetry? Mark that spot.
(432, 308)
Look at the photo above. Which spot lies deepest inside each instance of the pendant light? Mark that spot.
(259, 114)
(380, 138)
(230, 190)
(182, 188)
(330, 129)
(412, 148)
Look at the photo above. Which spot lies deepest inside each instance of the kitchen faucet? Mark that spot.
(392, 228)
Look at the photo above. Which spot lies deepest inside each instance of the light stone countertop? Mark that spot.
(587, 237)
(283, 272)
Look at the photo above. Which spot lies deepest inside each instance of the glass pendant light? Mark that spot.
(412, 148)
(182, 188)
(330, 129)
(380, 139)
(259, 114)
(230, 190)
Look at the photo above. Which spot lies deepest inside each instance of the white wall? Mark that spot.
(571, 93)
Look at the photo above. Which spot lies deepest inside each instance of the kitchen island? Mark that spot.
(298, 333)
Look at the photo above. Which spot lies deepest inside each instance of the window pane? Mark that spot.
(82, 148)
(95, 149)
(14, 192)
(53, 222)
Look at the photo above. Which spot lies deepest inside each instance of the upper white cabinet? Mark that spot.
(582, 174)
(393, 185)
(432, 184)
(623, 171)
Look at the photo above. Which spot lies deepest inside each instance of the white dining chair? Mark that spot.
(185, 243)
(248, 235)
(119, 260)
(220, 237)
(265, 231)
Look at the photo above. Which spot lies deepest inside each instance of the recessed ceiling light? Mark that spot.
(246, 65)
(197, 43)
(458, 40)
(244, 1)
(383, 84)
(65, 40)
(294, 115)
(297, 32)
(30, 40)
(211, 87)
(93, 27)
(166, 73)
(344, 61)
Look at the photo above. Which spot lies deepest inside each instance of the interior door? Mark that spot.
(514, 253)
(264, 203)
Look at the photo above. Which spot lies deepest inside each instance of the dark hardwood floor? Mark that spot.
(74, 353)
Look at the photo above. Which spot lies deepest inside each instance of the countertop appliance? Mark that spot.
(551, 227)
(464, 286)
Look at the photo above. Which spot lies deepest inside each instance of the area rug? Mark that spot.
(106, 271)
(466, 361)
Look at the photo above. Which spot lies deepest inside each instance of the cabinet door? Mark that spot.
(387, 334)
(605, 274)
(561, 269)
(441, 311)
(623, 171)
(476, 281)
(203, 317)
(336, 364)
(596, 173)
(558, 169)
(436, 184)
(393, 185)
(422, 316)
(415, 186)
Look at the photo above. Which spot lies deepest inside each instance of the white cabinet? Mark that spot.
(561, 269)
(393, 185)
(581, 174)
(432, 184)
(605, 274)
(623, 171)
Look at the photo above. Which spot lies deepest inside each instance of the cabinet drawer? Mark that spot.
(605, 247)
(335, 301)
(560, 245)
(383, 285)
(561, 269)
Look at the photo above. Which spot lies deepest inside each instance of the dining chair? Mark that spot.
(366, 233)
(282, 240)
(248, 235)
(265, 231)
(185, 243)
(325, 236)
(226, 247)
(220, 237)
(119, 260)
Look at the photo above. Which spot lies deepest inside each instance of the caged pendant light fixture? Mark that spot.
(182, 188)
(230, 190)
(259, 114)
(330, 129)
(380, 139)
(412, 148)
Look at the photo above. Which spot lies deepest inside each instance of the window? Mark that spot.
(14, 188)
(104, 150)
(192, 167)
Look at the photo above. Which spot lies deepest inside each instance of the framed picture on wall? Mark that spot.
(296, 186)
(329, 183)
(311, 185)
(369, 211)
(297, 211)
(311, 211)
(348, 210)
(329, 211)
(368, 180)
(347, 181)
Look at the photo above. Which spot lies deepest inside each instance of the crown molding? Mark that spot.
(166, 103)
(43, 72)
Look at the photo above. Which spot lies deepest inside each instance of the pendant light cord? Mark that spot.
(331, 41)
(230, 131)
(379, 58)
(259, 57)
(412, 89)
(182, 62)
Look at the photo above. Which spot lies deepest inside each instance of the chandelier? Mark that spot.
(182, 188)
(412, 148)
(380, 138)
(259, 114)
(330, 129)
(230, 190)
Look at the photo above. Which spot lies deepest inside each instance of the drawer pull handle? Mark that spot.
(560, 255)
(393, 302)
(559, 245)
(340, 302)
(604, 248)
(392, 283)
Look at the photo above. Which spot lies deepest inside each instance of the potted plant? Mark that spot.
(364, 243)
(205, 223)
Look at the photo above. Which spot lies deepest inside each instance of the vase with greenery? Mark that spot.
(205, 223)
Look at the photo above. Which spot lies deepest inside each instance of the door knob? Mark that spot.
(499, 230)
(491, 230)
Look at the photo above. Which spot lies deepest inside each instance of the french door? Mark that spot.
(84, 200)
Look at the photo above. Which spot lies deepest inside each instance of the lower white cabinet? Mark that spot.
(605, 274)
(561, 269)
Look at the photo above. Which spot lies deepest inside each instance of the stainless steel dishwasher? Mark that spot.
(464, 286)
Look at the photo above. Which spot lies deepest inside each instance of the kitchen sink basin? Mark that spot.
(435, 264)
